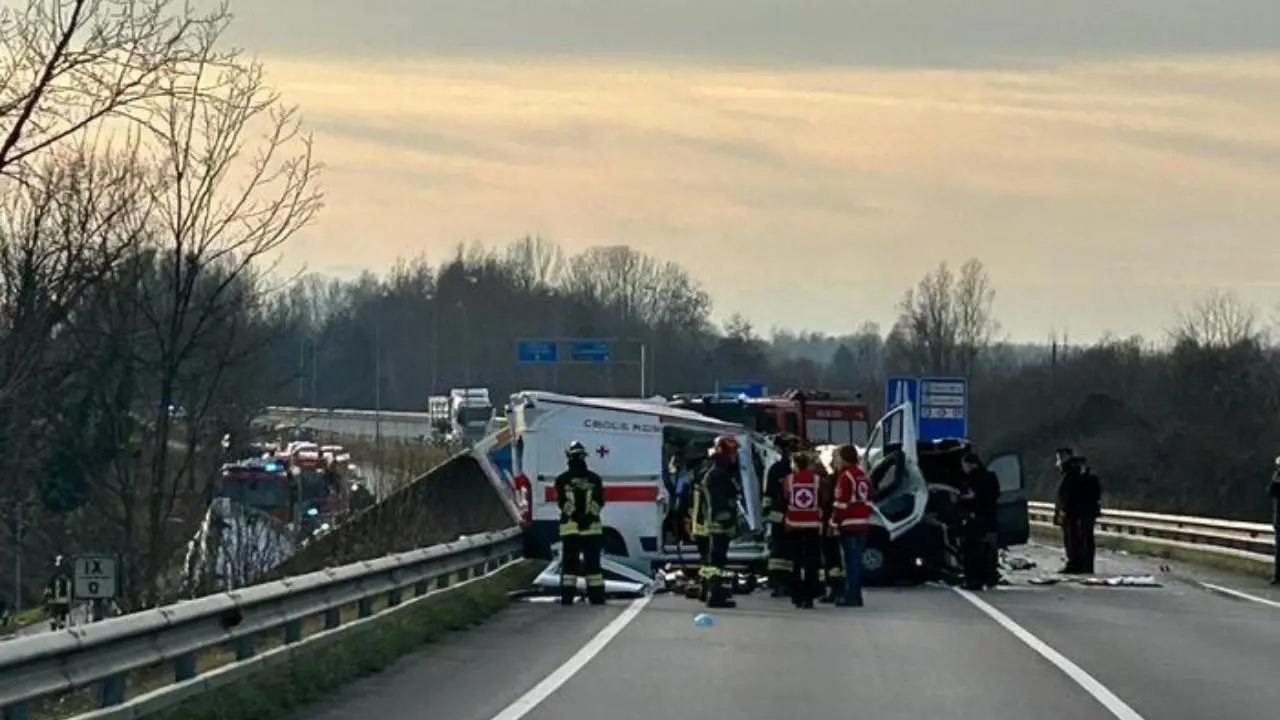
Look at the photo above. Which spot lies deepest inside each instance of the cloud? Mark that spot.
(1099, 194)
(772, 33)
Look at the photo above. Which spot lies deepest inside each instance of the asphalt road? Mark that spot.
(1049, 652)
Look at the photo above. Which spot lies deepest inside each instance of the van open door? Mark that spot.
(1013, 518)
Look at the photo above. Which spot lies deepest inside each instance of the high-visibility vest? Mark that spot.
(851, 505)
(800, 488)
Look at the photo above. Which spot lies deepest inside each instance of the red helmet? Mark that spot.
(725, 446)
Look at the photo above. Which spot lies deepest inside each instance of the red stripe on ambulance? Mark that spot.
(615, 493)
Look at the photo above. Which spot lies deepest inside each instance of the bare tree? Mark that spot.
(225, 204)
(946, 322)
(534, 264)
(1219, 320)
(637, 287)
(926, 330)
(69, 65)
(975, 321)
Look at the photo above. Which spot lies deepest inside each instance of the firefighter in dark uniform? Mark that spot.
(57, 595)
(832, 559)
(698, 530)
(580, 496)
(722, 487)
(774, 505)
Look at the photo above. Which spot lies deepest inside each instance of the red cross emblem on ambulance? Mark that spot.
(602, 451)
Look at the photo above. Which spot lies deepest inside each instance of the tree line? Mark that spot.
(149, 175)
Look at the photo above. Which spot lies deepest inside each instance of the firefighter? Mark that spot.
(850, 519)
(802, 518)
(580, 496)
(781, 563)
(699, 531)
(832, 560)
(57, 594)
(722, 489)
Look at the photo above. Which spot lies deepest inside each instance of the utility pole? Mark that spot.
(377, 380)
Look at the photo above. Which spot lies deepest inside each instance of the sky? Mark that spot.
(1109, 161)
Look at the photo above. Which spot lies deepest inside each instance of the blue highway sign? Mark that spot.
(590, 351)
(943, 408)
(536, 352)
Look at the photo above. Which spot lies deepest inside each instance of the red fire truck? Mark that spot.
(260, 483)
(817, 417)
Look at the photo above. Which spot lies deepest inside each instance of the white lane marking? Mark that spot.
(1240, 595)
(526, 703)
(1087, 682)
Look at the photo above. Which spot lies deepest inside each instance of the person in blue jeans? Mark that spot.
(851, 518)
(851, 545)
(1275, 520)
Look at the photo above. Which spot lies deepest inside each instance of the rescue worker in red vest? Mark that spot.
(781, 563)
(832, 560)
(722, 488)
(851, 519)
(802, 517)
(580, 496)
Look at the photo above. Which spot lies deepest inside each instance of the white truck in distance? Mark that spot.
(469, 413)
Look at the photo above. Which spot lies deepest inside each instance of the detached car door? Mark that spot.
(1013, 518)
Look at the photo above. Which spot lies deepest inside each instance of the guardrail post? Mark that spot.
(293, 631)
(394, 597)
(112, 691)
(244, 648)
(17, 712)
(332, 618)
(421, 588)
(365, 607)
(184, 667)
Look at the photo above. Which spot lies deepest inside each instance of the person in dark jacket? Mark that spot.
(580, 496)
(981, 502)
(722, 488)
(781, 557)
(1275, 519)
(1077, 510)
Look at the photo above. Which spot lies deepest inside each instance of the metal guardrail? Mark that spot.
(1257, 538)
(102, 655)
(306, 413)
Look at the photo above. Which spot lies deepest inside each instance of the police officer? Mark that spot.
(802, 518)
(781, 560)
(722, 487)
(580, 496)
(832, 557)
(1079, 505)
(57, 594)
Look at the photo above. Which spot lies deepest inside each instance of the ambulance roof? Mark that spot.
(633, 405)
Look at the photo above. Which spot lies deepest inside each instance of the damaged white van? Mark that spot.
(914, 524)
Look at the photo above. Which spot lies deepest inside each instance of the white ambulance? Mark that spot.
(630, 442)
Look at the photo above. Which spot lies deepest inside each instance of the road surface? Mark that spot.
(1048, 652)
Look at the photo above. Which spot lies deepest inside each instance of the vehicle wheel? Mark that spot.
(875, 562)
